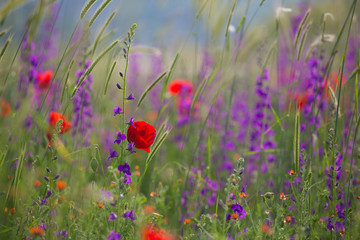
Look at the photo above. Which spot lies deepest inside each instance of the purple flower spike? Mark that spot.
(42, 201)
(119, 137)
(125, 168)
(130, 215)
(113, 235)
(131, 147)
(112, 217)
(117, 110)
(112, 154)
(130, 97)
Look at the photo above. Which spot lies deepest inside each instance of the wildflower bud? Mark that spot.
(124, 50)
(118, 85)
(48, 170)
(125, 43)
(48, 193)
(125, 56)
(55, 157)
(121, 74)
(46, 179)
(56, 177)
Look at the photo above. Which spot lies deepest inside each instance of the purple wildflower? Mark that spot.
(129, 215)
(113, 235)
(112, 217)
(130, 97)
(117, 110)
(119, 137)
(125, 168)
(48, 193)
(239, 210)
(112, 154)
(131, 147)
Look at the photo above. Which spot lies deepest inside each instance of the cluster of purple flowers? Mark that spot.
(82, 112)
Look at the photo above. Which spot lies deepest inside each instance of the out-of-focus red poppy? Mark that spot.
(44, 79)
(55, 117)
(180, 86)
(153, 233)
(4, 108)
(333, 82)
(142, 135)
(301, 100)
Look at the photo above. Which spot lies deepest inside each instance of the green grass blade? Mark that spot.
(149, 88)
(230, 17)
(242, 20)
(108, 77)
(88, 71)
(86, 8)
(301, 26)
(98, 11)
(5, 47)
(201, 9)
(297, 141)
(104, 27)
(277, 119)
(156, 147)
(66, 80)
(168, 76)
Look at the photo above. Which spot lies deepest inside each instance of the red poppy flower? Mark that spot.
(44, 79)
(180, 86)
(142, 135)
(54, 117)
(4, 108)
(333, 82)
(153, 233)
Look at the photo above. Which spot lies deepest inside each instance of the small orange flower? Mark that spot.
(137, 167)
(37, 183)
(37, 231)
(243, 195)
(12, 210)
(148, 209)
(152, 194)
(100, 205)
(287, 219)
(60, 185)
(180, 180)
(4, 108)
(6, 209)
(187, 221)
(292, 173)
(72, 217)
(61, 199)
(137, 173)
(283, 196)
(267, 229)
(234, 216)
